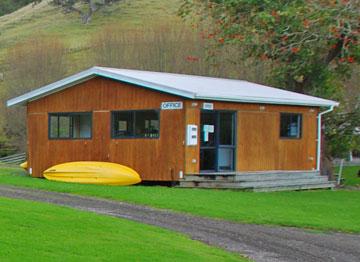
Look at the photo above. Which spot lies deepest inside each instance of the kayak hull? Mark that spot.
(92, 172)
(24, 165)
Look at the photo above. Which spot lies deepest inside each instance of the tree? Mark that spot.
(8, 6)
(312, 46)
(308, 41)
(85, 11)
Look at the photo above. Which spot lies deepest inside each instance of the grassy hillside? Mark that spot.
(40, 44)
(47, 20)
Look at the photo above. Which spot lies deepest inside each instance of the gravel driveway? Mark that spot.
(261, 243)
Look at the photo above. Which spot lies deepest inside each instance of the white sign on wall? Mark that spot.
(191, 135)
(171, 105)
(208, 106)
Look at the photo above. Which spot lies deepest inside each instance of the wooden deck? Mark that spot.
(258, 181)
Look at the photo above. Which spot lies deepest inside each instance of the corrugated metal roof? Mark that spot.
(189, 86)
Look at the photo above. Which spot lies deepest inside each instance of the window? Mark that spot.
(69, 125)
(140, 124)
(290, 125)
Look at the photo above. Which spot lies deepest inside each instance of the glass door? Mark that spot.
(226, 143)
(217, 141)
(208, 141)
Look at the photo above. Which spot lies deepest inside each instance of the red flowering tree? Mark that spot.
(312, 47)
(308, 42)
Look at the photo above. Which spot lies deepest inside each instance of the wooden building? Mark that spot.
(166, 126)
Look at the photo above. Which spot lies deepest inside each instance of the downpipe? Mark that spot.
(318, 153)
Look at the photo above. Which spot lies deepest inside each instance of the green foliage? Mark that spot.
(302, 38)
(8, 6)
(5, 145)
(41, 232)
(325, 210)
(312, 46)
(340, 132)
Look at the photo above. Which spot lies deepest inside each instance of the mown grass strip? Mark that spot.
(319, 209)
(42, 232)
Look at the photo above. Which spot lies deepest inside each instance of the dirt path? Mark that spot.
(261, 243)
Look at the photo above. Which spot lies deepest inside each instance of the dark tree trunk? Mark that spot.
(326, 164)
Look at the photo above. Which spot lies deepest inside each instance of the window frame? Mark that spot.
(133, 113)
(69, 114)
(300, 129)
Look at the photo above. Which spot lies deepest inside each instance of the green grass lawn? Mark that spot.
(319, 209)
(350, 175)
(33, 231)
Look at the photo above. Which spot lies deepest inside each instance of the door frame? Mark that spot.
(217, 145)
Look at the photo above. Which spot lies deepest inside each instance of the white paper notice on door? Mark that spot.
(206, 136)
(207, 129)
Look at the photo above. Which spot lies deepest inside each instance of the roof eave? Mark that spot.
(326, 103)
(51, 88)
(84, 76)
(98, 71)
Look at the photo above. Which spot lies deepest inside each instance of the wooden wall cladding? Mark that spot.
(259, 146)
(266, 150)
(192, 153)
(154, 159)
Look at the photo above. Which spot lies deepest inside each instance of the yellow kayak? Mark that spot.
(91, 172)
(24, 165)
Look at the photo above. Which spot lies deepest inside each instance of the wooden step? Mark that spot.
(256, 184)
(328, 185)
(262, 181)
(297, 184)
(233, 173)
(260, 188)
(265, 177)
(255, 177)
(258, 181)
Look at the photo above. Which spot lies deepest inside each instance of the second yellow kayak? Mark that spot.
(24, 165)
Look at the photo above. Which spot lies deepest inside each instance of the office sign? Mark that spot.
(171, 105)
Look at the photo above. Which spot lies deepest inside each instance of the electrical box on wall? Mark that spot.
(191, 135)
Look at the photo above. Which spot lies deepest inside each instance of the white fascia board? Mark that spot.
(273, 101)
(52, 88)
